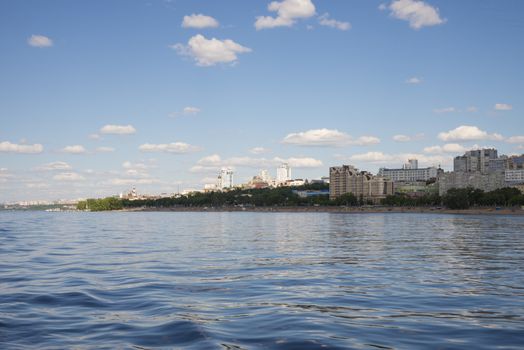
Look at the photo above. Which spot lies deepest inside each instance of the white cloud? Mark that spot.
(258, 150)
(324, 20)
(94, 136)
(447, 148)
(288, 11)
(212, 160)
(209, 52)
(304, 162)
(68, 177)
(418, 13)
(9, 147)
(383, 7)
(401, 138)
(174, 147)
(191, 110)
(76, 149)
(136, 169)
(105, 149)
(515, 139)
(414, 80)
(472, 109)
(40, 41)
(59, 165)
(199, 21)
(445, 110)
(327, 137)
(503, 107)
(365, 141)
(468, 133)
(118, 129)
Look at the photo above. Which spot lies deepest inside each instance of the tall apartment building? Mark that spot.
(225, 179)
(283, 173)
(476, 160)
(348, 179)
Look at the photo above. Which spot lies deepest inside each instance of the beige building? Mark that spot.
(348, 179)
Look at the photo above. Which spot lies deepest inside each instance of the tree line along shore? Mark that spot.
(454, 199)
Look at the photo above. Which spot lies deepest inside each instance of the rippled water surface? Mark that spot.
(260, 281)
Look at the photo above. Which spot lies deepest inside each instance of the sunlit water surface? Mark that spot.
(260, 281)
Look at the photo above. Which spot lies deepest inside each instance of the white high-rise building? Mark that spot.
(411, 164)
(264, 175)
(283, 173)
(225, 179)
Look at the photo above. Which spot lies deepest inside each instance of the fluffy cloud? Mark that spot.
(503, 107)
(76, 149)
(445, 110)
(327, 137)
(515, 139)
(59, 165)
(199, 21)
(258, 150)
(136, 169)
(40, 41)
(414, 80)
(304, 162)
(174, 147)
(68, 177)
(118, 129)
(209, 52)
(7, 146)
(447, 148)
(105, 149)
(408, 138)
(468, 133)
(401, 138)
(324, 20)
(288, 11)
(191, 110)
(418, 13)
(472, 109)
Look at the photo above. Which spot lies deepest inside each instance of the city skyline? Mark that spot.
(163, 94)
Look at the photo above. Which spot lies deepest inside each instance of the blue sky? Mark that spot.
(99, 96)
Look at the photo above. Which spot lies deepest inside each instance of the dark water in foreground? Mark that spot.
(260, 281)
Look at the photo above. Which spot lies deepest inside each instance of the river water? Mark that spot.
(260, 281)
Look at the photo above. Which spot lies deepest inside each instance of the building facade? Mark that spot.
(478, 180)
(409, 175)
(225, 179)
(348, 179)
(283, 173)
(475, 160)
(514, 176)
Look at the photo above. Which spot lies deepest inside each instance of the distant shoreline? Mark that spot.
(349, 210)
